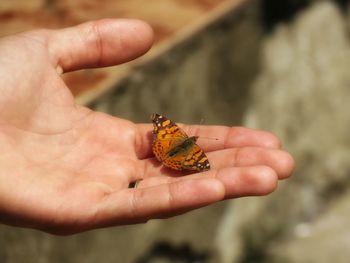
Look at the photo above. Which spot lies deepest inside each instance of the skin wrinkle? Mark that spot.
(216, 175)
(226, 197)
(234, 133)
(34, 132)
(147, 165)
(227, 137)
(87, 115)
(52, 54)
(134, 200)
(137, 196)
(28, 157)
(86, 166)
(60, 92)
(172, 188)
(169, 199)
(56, 56)
(62, 156)
(239, 155)
(96, 33)
(235, 155)
(83, 166)
(59, 157)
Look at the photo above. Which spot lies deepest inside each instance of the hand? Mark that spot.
(66, 169)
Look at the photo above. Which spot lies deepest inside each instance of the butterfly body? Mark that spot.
(184, 147)
(174, 148)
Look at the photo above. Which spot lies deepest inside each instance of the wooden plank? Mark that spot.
(172, 20)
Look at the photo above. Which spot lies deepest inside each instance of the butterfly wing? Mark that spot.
(175, 162)
(174, 148)
(196, 160)
(193, 159)
(166, 135)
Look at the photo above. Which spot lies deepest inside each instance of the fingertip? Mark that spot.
(272, 141)
(142, 29)
(248, 181)
(100, 43)
(135, 36)
(268, 139)
(286, 163)
(259, 180)
(267, 180)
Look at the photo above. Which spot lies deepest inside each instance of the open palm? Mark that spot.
(66, 169)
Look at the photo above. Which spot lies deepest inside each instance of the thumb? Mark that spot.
(99, 43)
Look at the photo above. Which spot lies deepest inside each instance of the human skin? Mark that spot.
(65, 169)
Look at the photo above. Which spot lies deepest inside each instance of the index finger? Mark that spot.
(211, 138)
(141, 204)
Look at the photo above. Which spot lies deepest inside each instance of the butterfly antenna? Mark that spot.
(208, 138)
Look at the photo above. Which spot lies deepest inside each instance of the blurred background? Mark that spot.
(281, 66)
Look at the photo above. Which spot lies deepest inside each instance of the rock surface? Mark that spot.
(301, 94)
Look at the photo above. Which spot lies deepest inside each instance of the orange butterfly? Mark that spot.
(174, 148)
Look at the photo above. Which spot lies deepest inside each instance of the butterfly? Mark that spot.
(174, 148)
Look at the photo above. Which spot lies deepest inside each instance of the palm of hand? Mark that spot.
(66, 169)
(71, 157)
